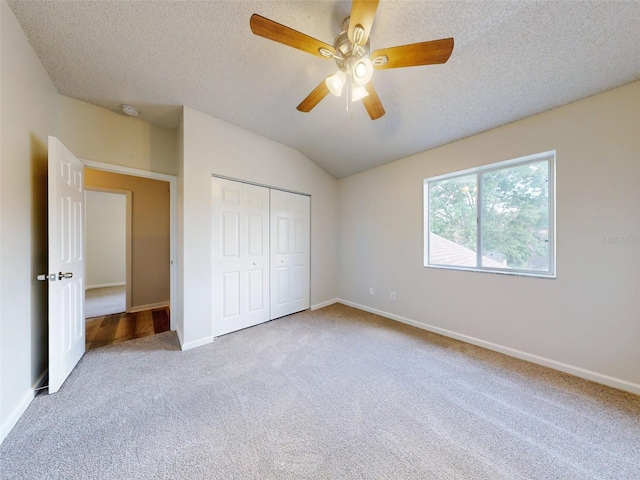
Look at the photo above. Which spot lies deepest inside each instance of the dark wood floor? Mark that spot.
(121, 327)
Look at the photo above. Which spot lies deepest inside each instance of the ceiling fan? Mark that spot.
(352, 53)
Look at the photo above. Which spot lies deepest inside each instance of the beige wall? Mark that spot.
(586, 320)
(150, 234)
(95, 133)
(27, 117)
(211, 146)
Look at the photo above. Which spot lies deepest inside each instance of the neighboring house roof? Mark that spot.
(446, 252)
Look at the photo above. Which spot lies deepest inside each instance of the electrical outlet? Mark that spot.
(393, 295)
(371, 291)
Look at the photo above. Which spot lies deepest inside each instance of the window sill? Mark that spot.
(516, 273)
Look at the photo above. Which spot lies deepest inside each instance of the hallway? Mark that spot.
(121, 327)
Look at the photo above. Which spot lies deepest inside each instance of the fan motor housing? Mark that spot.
(344, 49)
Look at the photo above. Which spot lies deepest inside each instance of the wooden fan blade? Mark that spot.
(362, 13)
(425, 53)
(372, 103)
(287, 36)
(314, 97)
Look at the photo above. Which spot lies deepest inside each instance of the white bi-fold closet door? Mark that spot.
(290, 249)
(260, 253)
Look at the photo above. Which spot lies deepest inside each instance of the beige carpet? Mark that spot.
(104, 301)
(331, 394)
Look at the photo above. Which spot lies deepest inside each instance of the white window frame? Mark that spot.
(550, 156)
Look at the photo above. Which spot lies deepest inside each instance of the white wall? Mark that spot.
(177, 308)
(587, 320)
(213, 146)
(27, 117)
(106, 232)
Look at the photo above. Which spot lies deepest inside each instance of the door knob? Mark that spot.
(65, 275)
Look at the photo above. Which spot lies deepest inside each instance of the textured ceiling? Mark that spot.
(511, 59)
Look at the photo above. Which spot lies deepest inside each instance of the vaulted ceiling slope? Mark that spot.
(511, 59)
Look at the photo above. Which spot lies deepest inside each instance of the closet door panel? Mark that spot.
(240, 255)
(290, 252)
(256, 289)
(281, 286)
(300, 257)
(226, 247)
(230, 295)
(256, 255)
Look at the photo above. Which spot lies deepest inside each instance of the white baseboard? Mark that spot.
(323, 304)
(104, 285)
(194, 343)
(512, 352)
(151, 306)
(11, 421)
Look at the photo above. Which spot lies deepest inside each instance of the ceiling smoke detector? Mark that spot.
(130, 110)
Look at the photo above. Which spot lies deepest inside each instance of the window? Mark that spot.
(497, 218)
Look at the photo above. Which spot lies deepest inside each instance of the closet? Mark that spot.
(260, 254)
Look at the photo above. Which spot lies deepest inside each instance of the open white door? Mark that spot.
(66, 263)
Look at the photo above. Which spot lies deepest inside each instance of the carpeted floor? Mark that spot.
(104, 301)
(331, 394)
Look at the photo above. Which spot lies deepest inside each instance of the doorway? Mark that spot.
(148, 259)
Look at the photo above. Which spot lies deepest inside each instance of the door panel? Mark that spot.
(256, 289)
(231, 234)
(231, 294)
(256, 200)
(282, 285)
(282, 235)
(290, 253)
(298, 282)
(231, 195)
(256, 236)
(256, 254)
(299, 237)
(66, 263)
(240, 252)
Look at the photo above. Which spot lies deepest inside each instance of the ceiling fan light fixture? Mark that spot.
(358, 93)
(336, 82)
(353, 55)
(362, 70)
